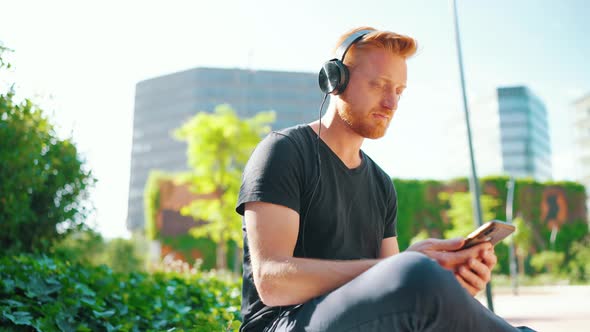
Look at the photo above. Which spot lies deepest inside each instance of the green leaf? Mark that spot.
(111, 328)
(19, 317)
(37, 287)
(104, 314)
(84, 290)
(8, 285)
(83, 328)
(63, 324)
(13, 303)
(88, 300)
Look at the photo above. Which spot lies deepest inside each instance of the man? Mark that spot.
(320, 247)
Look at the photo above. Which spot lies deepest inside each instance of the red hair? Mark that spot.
(397, 44)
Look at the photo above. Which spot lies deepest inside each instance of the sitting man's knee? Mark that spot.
(418, 273)
(414, 263)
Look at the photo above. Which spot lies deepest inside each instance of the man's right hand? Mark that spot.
(447, 253)
(472, 267)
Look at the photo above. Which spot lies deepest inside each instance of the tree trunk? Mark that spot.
(221, 261)
(520, 264)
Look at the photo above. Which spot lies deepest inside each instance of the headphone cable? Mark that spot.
(275, 323)
(319, 175)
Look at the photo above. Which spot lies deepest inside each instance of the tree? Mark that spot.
(42, 178)
(2, 62)
(219, 145)
(461, 212)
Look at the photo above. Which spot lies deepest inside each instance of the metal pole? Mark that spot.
(473, 180)
(509, 219)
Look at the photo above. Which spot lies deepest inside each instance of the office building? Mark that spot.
(510, 135)
(164, 103)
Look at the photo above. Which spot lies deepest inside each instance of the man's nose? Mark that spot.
(390, 101)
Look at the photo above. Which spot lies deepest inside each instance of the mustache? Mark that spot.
(386, 113)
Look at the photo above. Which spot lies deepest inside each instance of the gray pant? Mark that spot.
(407, 292)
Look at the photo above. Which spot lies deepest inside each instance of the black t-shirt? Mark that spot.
(352, 210)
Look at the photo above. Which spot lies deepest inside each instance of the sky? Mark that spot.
(81, 60)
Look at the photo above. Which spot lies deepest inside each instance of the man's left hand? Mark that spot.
(477, 272)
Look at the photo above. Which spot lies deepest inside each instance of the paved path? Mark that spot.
(545, 309)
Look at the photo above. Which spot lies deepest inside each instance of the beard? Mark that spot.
(364, 124)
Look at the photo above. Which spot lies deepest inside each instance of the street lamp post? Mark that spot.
(510, 219)
(473, 180)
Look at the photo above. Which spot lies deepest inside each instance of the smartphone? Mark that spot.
(492, 231)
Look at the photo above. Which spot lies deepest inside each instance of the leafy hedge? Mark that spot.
(420, 207)
(422, 212)
(44, 294)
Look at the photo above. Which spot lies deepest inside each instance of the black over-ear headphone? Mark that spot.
(334, 75)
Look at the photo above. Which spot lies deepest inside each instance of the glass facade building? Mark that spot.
(164, 103)
(524, 131)
(510, 135)
(582, 133)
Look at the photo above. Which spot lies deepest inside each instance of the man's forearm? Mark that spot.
(295, 280)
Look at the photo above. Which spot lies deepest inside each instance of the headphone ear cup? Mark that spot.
(344, 77)
(333, 77)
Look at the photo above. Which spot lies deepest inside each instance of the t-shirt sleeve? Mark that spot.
(272, 174)
(391, 216)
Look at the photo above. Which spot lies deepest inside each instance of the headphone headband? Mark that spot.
(348, 42)
(334, 75)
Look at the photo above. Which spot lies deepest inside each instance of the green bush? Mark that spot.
(550, 260)
(89, 248)
(579, 265)
(79, 247)
(45, 294)
(121, 255)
